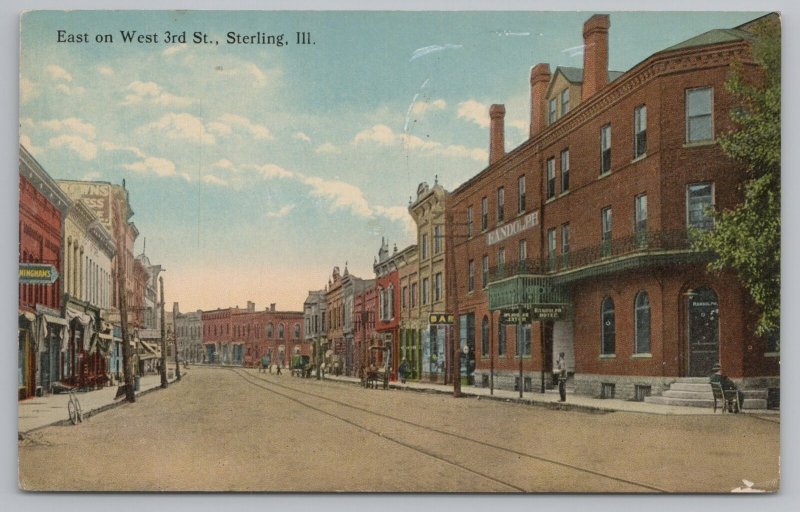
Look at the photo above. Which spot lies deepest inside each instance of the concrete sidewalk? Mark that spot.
(39, 412)
(550, 399)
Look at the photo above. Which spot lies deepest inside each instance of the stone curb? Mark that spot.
(88, 414)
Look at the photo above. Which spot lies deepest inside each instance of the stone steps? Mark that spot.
(696, 392)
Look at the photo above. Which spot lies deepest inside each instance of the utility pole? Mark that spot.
(453, 296)
(174, 333)
(122, 253)
(520, 349)
(164, 382)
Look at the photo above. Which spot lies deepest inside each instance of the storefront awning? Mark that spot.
(50, 319)
(27, 316)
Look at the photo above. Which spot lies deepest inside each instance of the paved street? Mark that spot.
(240, 430)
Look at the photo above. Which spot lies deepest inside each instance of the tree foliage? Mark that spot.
(747, 239)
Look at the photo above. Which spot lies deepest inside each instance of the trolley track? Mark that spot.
(282, 389)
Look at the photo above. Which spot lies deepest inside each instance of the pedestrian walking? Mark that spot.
(561, 367)
(278, 371)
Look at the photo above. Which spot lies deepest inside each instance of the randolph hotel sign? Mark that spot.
(512, 228)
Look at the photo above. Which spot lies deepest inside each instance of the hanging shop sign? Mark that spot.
(440, 319)
(515, 316)
(37, 273)
(548, 312)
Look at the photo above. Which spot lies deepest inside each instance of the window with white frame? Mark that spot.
(425, 291)
(522, 253)
(551, 178)
(605, 149)
(564, 170)
(484, 271)
(437, 287)
(470, 275)
(640, 214)
(437, 239)
(565, 101)
(521, 194)
(699, 120)
(639, 131)
(469, 222)
(699, 203)
(551, 111)
(500, 204)
(484, 213)
(605, 231)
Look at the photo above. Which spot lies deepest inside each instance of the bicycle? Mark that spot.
(74, 408)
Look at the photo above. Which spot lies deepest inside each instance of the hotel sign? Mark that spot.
(37, 273)
(548, 312)
(515, 316)
(512, 228)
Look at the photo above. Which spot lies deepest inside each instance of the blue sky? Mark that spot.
(254, 169)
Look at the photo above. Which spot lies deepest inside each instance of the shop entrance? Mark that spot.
(703, 332)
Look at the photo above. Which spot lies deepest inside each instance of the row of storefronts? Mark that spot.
(69, 332)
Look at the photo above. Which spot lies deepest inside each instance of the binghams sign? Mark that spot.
(37, 273)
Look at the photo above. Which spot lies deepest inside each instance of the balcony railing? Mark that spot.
(642, 243)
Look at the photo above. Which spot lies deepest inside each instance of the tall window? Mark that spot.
(607, 327)
(485, 271)
(500, 204)
(404, 297)
(605, 231)
(565, 101)
(699, 123)
(485, 337)
(642, 323)
(470, 275)
(424, 246)
(639, 131)
(469, 222)
(699, 200)
(551, 249)
(501, 339)
(296, 330)
(605, 149)
(437, 239)
(437, 287)
(484, 213)
(413, 296)
(551, 111)
(523, 340)
(564, 170)
(565, 245)
(425, 287)
(280, 331)
(551, 177)
(640, 218)
(501, 256)
(522, 254)
(521, 194)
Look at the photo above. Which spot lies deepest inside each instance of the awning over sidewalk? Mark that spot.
(148, 350)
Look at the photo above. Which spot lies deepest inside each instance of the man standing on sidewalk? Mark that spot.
(561, 367)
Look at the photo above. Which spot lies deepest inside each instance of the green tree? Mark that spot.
(747, 239)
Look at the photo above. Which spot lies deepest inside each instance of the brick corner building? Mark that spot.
(588, 225)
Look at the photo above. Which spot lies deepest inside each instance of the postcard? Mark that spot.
(416, 252)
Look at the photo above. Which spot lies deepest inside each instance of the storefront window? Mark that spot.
(642, 323)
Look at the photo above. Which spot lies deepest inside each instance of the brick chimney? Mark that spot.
(272, 307)
(251, 306)
(497, 114)
(540, 79)
(595, 55)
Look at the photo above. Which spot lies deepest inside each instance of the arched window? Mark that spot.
(269, 330)
(641, 311)
(485, 336)
(607, 326)
(280, 331)
(296, 331)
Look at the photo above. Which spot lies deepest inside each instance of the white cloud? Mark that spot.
(258, 131)
(210, 179)
(223, 164)
(58, 73)
(26, 141)
(92, 176)
(105, 70)
(342, 196)
(260, 78)
(151, 92)
(421, 107)
(399, 214)
(27, 90)
(474, 111)
(282, 212)
(220, 129)
(248, 73)
(71, 125)
(301, 136)
(85, 149)
(159, 166)
(327, 148)
(384, 136)
(172, 50)
(521, 125)
(180, 127)
(110, 146)
(70, 91)
(269, 171)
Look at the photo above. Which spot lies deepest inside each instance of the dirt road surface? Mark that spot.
(240, 430)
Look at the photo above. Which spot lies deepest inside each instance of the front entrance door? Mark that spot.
(703, 332)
